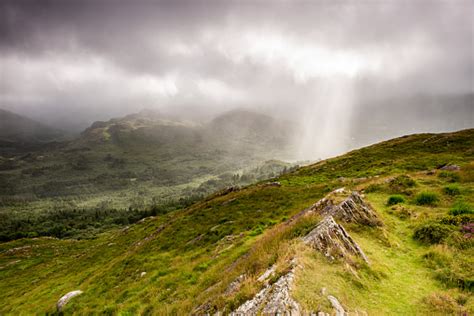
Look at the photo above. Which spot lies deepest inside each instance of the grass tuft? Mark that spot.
(395, 199)
(426, 198)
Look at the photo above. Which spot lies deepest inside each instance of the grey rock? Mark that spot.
(65, 299)
(273, 184)
(451, 168)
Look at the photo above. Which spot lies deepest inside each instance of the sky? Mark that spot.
(74, 62)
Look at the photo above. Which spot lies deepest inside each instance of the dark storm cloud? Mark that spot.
(106, 58)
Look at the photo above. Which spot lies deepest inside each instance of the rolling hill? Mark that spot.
(117, 170)
(401, 243)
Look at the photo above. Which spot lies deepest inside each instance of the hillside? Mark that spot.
(412, 222)
(120, 170)
(17, 130)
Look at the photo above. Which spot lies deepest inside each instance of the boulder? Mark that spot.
(451, 168)
(65, 299)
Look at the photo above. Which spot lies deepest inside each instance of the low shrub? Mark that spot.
(432, 233)
(457, 220)
(451, 267)
(402, 184)
(395, 199)
(426, 198)
(467, 173)
(442, 303)
(451, 190)
(403, 212)
(461, 208)
(373, 188)
(449, 176)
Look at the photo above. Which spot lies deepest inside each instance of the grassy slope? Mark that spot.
(191, 256)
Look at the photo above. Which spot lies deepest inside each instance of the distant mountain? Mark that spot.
(243, 132)
(251, 128)
(16, 129)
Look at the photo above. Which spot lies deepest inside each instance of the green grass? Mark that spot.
(190, 256)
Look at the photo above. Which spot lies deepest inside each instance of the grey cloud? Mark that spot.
(106, 58)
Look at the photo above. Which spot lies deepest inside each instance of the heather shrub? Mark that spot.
(432, 233)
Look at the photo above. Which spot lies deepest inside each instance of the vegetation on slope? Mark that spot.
(191, 256)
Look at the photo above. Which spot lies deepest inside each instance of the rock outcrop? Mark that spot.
(273, 299)
(333, 241)
(352, 210)
(328, 237)
(65, 299)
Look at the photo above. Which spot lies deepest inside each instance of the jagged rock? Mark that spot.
(332, 240)
(336, 306)
(280, 301)
(65, 299)
(274, 299)
(352, 210)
